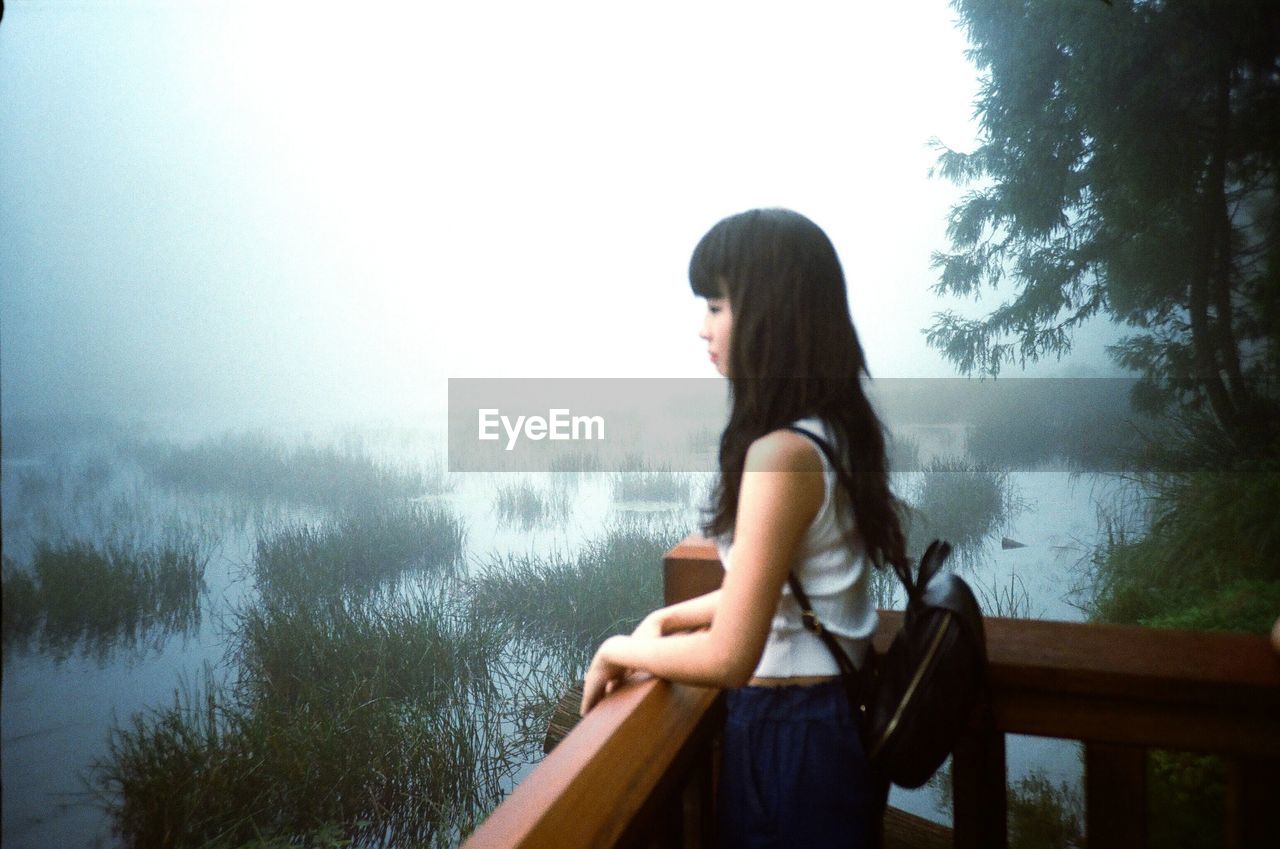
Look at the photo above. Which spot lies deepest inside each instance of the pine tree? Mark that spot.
(1129, 166)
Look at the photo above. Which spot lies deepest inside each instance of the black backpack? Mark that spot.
(914, 701)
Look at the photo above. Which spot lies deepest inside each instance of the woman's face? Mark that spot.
(717, 325)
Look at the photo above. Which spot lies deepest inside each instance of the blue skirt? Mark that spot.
(793, 772)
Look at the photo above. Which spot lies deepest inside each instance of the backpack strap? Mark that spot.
(812, 624)
(902, 570)
(808, 617)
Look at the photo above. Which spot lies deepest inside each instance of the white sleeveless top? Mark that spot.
(833, 574)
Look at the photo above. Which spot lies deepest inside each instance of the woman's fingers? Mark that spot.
(601, 678)
(592, 692)
(594, 688)
(597, 684)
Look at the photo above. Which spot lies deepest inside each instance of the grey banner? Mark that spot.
(662, 424)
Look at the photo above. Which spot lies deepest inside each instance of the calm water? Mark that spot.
(58, 711)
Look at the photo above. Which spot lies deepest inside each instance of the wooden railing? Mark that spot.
(639, 770)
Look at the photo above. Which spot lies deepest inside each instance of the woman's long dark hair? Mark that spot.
(793, 353)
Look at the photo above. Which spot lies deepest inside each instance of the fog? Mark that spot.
(241, 212)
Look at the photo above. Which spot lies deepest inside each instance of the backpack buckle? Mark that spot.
(811, 621)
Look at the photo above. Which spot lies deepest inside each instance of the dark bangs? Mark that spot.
(713, 266)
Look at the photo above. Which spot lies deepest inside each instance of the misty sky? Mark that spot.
(257, 211)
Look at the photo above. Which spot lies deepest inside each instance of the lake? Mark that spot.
(62, 698)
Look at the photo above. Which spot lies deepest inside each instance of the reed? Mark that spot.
(369, 718)
(652, 485)
(21, 605)
(525, 505)
(121, 595)
(576, 601)
(902, 453)
(36, 486)
(355, 550)
(575, 462)
(1082, 424)
(962, 502)
(1010, 600)
(92, 477)
(886, 589)
(255, 465)
(395, 643)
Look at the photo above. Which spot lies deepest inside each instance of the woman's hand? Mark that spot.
(602, 676)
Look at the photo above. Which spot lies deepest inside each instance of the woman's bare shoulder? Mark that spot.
(782, 451)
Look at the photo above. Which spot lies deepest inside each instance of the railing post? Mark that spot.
(699, 802)
(1253, 788)
(979, 797)
(1115, 794)
(690, 569)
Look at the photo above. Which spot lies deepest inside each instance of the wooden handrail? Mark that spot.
(1120, 689)
(602, 778)
(1126, 684)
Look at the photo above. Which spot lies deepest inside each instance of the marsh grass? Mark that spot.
(962, 502)
(524, 505)
(902, 453)
(369, 717)
(36, 486)
(436, 479)
(1085, 425)
(576, 601)
(1010, 600)
(395, 643)
(650, 485)
(886, 590)
(32, 436)
(124, 594)
(356, 550)
(21, 605)
(575, 462)
(704, 438)
(254, 465)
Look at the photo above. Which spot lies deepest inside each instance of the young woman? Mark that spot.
(793, 772)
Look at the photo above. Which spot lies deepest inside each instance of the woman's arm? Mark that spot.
(688, 615)
(781, 492)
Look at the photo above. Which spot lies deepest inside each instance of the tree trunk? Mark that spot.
(1223, 264)
(1206, 284)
